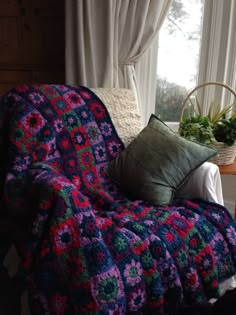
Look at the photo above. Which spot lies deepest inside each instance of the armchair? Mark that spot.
(85, 247)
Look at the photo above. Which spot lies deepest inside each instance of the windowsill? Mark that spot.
(173, 125)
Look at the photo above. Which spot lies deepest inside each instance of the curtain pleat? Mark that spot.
(105, 39)
(217, 55)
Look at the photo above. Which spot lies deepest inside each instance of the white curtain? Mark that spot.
(106, 38)
(218, 51)
(146, 74)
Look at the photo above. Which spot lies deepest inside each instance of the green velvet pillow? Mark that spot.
(156, 163)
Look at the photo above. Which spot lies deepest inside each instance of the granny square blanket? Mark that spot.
(85, 247)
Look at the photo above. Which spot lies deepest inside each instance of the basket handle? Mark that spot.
(200, 86)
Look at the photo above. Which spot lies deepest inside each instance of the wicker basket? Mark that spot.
(226, 154)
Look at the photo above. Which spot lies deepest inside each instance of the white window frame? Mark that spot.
(217, 54)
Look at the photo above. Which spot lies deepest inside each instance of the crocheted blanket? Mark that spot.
(87, 248)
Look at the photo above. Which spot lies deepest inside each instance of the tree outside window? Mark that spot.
(178, 57)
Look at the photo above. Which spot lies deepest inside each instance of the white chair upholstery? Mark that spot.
(204, 183)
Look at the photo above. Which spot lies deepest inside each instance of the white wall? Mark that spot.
(229, 191)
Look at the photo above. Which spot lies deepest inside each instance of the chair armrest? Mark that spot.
(50, 189)
(48, 183)
(204, 183)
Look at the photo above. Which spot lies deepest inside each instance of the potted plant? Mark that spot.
(209, 131)
(225, 130)
(197, 128)
(216, 128)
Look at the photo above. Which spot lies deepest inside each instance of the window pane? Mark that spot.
(178, 57)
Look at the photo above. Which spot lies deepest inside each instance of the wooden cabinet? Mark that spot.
(32, 42)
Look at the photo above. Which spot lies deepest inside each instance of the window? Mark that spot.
(178, 57)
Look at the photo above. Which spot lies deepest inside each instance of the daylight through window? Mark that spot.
(178, 57)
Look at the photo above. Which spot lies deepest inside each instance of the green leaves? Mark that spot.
(197, 128)
(207, 130)
(216, 113)
(225, 130)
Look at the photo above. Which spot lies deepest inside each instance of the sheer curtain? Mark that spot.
(105, 40)
(218, 50)
(146, 73)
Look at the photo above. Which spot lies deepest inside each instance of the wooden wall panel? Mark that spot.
(11, 33)
(32, 42)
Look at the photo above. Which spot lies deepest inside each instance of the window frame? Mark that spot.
(217, 57)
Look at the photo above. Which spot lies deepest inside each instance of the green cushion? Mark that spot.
(156, 163)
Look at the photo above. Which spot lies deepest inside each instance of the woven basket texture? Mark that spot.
(226, 154)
